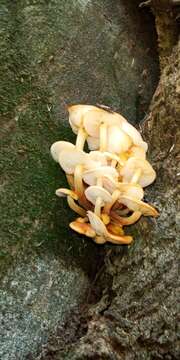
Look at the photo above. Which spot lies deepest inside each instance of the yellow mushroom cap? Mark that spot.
(117, 140)
(82, 228)
(59, 146)
(134, 134)
(68, 160)
(90, 177)
(147, 176)
(138, 205)
(94, 191)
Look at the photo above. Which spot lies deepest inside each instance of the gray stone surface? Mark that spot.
(52, 53)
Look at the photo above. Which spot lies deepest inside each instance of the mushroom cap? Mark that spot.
(111, 156)
(94, 191)
(95, 159)
(137, 151)
(138, 205)
(109, 183)
(132, 190)
(117, 140)
(68, 160)
(82, 228)
(134, 134)
(62, 192)
(93, 119)
(93, 143)
(97, 224)
(99, 157)
(90, 177)
(148, 175)
(76, 113)
(59, 146)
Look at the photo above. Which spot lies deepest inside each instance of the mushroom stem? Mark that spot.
(78, 182)
(79, 187)
(126, 220)
(97, 208)
(113, 163)
(81, 138)
(136, 176)
(123, 211)
(98, 204)
(108, 206)
(103, 137)
(78, 209)
(70, 180)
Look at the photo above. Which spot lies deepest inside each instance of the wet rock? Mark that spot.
(52, 53)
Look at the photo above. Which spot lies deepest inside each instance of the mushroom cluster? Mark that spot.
(106, 184)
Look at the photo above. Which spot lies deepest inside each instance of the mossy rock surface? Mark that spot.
(53, 53)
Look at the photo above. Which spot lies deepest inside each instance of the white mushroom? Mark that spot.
(138, 205)
(103, 234)
(62, 192)
(95, 177)
(137, 151)
(139, 171)
(134, 134)
(118, 141)
(59, 146)
(98, 197)
(90, 177)
(76, 113)
(69, 159)
(133, 190)
(72, 163)
(96, 123)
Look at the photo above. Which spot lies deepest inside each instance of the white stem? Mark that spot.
(108, 207)
(98, 204)
(81, 138)
(103, 137)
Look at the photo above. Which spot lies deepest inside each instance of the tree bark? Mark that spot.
(137, 318)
